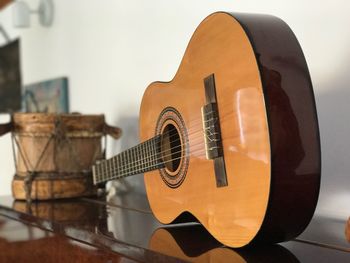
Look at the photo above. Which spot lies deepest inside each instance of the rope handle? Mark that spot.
(112, 131)
(5, 128)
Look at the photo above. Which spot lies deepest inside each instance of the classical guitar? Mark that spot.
(232, 141)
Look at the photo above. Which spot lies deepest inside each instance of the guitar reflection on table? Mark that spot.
(194, 243)
(187, 242)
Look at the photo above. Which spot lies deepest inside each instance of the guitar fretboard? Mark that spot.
(142, 158)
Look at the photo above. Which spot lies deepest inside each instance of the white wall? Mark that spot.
(111, 50)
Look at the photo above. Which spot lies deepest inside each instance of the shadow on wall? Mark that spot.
(333, 107)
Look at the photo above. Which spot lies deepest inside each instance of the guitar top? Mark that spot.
(232, 141)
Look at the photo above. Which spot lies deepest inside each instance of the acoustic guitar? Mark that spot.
(232, 140)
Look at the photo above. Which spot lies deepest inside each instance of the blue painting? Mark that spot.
(49, 96)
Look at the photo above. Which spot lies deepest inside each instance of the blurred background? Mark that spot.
(111, 50)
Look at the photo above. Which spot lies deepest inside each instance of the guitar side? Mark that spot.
(253, 138)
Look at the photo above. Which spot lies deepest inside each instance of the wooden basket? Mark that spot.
(54, 153)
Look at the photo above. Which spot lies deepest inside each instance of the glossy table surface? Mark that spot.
(122, 229)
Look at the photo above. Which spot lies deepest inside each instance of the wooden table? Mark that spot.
(123, 229)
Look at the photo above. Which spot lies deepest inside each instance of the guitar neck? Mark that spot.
(142, 158)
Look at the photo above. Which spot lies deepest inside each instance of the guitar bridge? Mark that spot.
(212, 132)
(211, 128)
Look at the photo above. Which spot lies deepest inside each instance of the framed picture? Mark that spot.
(10, 78)
(49, 96)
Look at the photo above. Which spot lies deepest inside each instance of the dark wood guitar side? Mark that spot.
(232, 140)
(293, 124)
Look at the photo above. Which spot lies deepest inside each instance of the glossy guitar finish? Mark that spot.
(194, 244)
(268, 127)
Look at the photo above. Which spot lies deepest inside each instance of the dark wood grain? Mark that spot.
(23, 243)
(293, 125)
(124, 228)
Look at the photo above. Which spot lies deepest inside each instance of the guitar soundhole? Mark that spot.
(171, 148)
(174, 147)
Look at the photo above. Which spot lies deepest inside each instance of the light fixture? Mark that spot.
(22, 12)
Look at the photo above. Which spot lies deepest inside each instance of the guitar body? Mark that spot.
(270, 158)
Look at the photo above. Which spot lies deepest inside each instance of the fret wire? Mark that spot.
(127, 162)
(109, 168)
(132, 167)
(119, 164)
(101, 170)
(97, 173)
(135, 160)
(140, 158)
(153, 154)
(122, 162)
(115, 164)
(116, 173)
(148, 150)
(143, 154)
(111, 165)
(143, 157)
(122, 158)
(156, 151)
(160, 150)
(98, 169)
(106, 169)
(137, 156)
